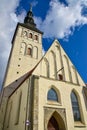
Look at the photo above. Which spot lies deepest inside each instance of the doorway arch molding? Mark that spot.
(57, 113)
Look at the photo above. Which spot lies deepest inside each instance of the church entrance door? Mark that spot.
(52, 124)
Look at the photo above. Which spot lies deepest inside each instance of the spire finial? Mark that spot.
(29, 17)
(30, 7)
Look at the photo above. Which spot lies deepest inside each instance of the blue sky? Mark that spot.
(65, 20)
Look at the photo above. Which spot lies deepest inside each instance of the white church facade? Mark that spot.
(41, 92)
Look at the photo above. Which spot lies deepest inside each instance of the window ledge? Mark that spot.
(28, 55)
(79, 124)
(35, 40)
(54, 103)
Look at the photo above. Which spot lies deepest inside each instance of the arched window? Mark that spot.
(45, 67)
(67, 70)
(58, 59)
(25, 34)
(75, 107)
(35, 52)
(29, 50)
(52, 65)
(36, 37)
(52, 95)
(30, 35)
(74, 75)
(22, 49)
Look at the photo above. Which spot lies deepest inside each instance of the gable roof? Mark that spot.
(64, 54)
(11, 88)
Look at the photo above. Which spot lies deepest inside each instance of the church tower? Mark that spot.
(26, 49)
(42, 93)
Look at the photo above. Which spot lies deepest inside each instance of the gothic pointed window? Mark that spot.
(67, 69)
(52, 95)
(45, 67)
(52, 65)
(75, 107)
(74, 75)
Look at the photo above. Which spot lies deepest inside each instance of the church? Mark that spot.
(41, 92)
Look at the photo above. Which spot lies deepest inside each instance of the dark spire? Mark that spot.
(29, 18)
(29, 21)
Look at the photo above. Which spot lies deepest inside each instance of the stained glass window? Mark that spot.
(75, 107)
(52, 95)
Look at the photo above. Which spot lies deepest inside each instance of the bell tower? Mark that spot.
(26, 49)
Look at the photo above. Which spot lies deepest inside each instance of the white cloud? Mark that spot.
(34, 3)
(61, 18)
(8, 21)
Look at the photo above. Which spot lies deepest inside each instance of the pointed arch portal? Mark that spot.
(55, 119)
(52, 124)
